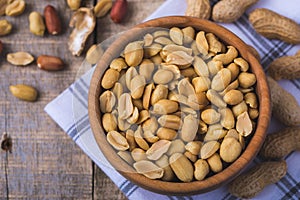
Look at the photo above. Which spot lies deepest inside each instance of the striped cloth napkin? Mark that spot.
(75, 122)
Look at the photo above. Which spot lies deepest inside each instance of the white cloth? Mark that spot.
(69, 109)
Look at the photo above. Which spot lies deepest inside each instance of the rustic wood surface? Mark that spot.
(45, 163)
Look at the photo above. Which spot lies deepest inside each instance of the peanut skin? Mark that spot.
(275, 26)
(256, 179)
(230, 10)
(281, 143)
(284, 105)
(286, 67)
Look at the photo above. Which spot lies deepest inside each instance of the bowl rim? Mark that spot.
(175, 188)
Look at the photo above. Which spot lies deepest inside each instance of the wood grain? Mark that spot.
(45, 162)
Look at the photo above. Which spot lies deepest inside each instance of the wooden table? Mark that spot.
(45, 163)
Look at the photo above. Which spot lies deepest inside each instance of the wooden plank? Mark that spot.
(45, 163)
(138, 10)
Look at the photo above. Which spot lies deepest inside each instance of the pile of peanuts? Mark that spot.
(178, 104)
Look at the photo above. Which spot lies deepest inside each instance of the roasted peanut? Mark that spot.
(148, 169)
(221, 80)
(201, 84)
(182, 167)
(177, 146)
(285, 67)
(36, 24)
(137, 86)
(24, 92)
(227, 118)
(275, 26)
(110, 77)
(198, 8)
(102, 7)
(246, 80)
(138, 154)
(20, 58)
(215, 163)
(230, 149)
(52, 21)
(176, 35)
(227, 57)
(134, 53)
(125, 106)
(188, 34)
(165, 106)
(166, 133)
(280, 144)
(5, 27)
(94, 54)
(3, 5)
(233, 97)
(170, 121)
(74, 4)
(208, 149)
(214, 133)
(210, 116)
(118, 11)
(50, 63)
(193, 147)
(107, 101)
(257, 178)
(189, 128)
(109, 122)
(284, 105)
(15, 8)
(244, 125)
(158, 149)
(163, 162)
(117, 140)
(139, 139)
(201, 169)
(230, 10)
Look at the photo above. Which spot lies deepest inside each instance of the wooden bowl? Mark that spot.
(176, 188)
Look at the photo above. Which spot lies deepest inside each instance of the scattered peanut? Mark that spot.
(3, 5)
(20, 58)
(24, 92)
(52, 21)
(50, 63)
(275, 26)
(94, 54)
(118, 11)
(230, 10)
(286, 67)
(102, 7)
(280, 144)
(198, 8)
(15, 8)
(83, 23)
(257, 178)
(284, 105)
(74, 4)
(5, 27)
(36, 24)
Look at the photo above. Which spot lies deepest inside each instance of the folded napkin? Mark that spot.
(69, 109)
